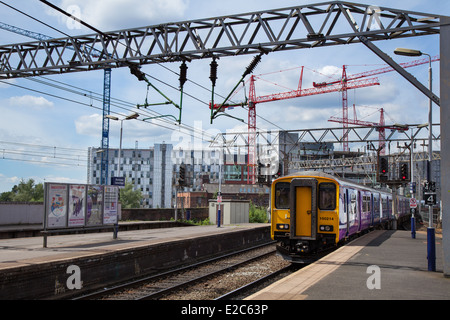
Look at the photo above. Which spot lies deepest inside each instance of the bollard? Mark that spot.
(115, 230)
(413, 227)
(218, 217)
(431, 247)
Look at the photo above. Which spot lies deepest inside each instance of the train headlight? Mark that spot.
(282, 226)
(326, 228)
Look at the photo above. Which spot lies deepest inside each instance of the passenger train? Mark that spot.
(312, 211)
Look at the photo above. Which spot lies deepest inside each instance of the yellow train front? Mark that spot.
(304, 214)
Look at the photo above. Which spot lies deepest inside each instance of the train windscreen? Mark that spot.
(327, 196)
(282, 190)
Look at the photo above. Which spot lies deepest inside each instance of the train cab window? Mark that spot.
(327, 196)
(282, 190)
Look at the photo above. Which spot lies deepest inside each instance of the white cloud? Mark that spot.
(38, 103)
(89, 125)
(9, 180)
(108, 15)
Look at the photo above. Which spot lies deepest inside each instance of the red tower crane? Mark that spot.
(342, 85)
(380, 127)
(344, 120)
(254, 100)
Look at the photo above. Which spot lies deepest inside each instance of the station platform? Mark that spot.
(30, 271)
(381, 265)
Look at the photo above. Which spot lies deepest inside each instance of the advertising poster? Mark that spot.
(56, 205)
(94, 206)
(111, 202)
(77, 205)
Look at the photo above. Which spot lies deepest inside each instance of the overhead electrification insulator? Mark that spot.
(135, 70)
(183, 74)
(213, 72)
(256, 60)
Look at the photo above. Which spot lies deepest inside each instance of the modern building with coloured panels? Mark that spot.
(149, 170)
(155, 171)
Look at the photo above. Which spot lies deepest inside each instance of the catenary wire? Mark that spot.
(163, 120)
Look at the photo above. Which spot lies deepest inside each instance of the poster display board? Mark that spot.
(94, 215)
(77, 205)
(111, 204)
(80, 205)
(56, 205)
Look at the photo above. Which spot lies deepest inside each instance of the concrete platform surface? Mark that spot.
(387, 265)
(25, 251)
(96, 260)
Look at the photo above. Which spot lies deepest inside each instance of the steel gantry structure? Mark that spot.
(323, 24)
(306, 26)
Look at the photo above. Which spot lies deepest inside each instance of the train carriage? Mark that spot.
(312, 211)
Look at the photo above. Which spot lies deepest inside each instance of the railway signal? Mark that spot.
(404, 171)
(384, 165)
(182, 178)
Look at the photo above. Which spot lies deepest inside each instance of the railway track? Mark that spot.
(173, 284)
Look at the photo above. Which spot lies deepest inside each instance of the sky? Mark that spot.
(45, 131)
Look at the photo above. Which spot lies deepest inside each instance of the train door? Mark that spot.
(372, 211)
(343, 215)
(303, 207)
(353, 212)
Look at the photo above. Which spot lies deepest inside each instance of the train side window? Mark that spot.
(282, 190)
(327, 196)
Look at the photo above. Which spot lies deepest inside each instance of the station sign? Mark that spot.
(118, 181)
(429, 193)
(413, 203)
(430, 198)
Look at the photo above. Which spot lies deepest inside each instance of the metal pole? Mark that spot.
(413, 218)
(116, 225)
(431, 247)
(120, 144)
(444, 76)
(219, 196)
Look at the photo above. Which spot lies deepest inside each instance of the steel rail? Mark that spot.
(136, 282)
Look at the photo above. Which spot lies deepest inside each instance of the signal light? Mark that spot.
(384, 165)
(404, 171)
(182, 180)
(279, 172)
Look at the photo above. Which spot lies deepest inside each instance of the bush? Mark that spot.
(257, 214)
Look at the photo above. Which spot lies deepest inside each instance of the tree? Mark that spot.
(130, 198)
(25, 192)
(6, 196)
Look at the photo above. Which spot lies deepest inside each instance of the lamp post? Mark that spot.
(130, 117)
(220, 215)
(431, 247)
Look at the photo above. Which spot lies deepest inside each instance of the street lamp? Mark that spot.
(430, 231)
(219, 194)
(129, 117)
